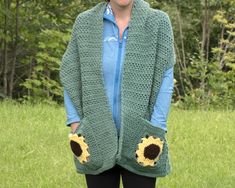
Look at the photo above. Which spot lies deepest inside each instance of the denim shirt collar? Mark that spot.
(108, 13)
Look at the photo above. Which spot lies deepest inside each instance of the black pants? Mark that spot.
(111, 179)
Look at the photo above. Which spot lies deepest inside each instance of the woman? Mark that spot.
(118, 115)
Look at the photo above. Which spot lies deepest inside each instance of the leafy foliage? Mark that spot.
(31, 53)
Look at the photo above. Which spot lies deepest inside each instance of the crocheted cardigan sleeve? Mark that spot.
(70, 64)
(166, 50)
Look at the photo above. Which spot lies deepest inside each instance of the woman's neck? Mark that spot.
(122, 12)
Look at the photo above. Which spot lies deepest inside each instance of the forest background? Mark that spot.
(34, 35)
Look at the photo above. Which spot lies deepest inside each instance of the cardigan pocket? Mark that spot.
(145, 149)
(151, 148)
(86, 152)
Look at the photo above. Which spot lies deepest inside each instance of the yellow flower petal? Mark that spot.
(141, 149)
(81, 141)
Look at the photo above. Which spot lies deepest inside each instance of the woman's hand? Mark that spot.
(74, 126)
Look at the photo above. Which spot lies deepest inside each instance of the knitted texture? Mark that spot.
(149, 53)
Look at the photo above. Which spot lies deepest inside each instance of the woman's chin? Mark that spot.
(123, 3)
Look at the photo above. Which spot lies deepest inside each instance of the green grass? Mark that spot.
(35, 151)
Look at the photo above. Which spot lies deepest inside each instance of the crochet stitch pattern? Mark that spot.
(149, 53)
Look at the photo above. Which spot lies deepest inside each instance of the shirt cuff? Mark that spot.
(72, 120)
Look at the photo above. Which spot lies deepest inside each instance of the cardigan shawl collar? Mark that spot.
(90, 49)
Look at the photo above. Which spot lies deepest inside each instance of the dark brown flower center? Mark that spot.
(151, 151)
(76, 148)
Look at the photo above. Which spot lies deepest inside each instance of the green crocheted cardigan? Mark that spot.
(149, 52)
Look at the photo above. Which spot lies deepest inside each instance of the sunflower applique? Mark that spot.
(149, 150)
(79, 147)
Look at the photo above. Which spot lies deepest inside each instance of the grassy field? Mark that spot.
(35, 150)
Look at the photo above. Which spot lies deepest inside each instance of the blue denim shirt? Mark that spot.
(113, 58)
